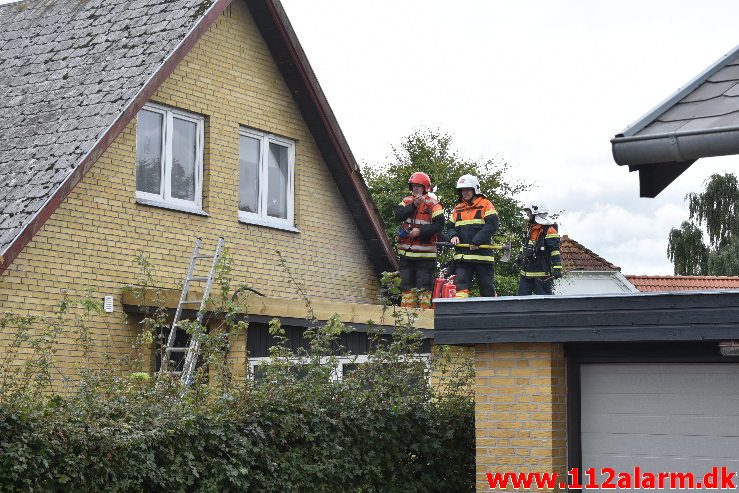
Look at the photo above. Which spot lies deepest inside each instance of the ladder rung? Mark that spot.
(200, 278)
(174, 373)
(202, 256)
(177, 350)
(191, 302)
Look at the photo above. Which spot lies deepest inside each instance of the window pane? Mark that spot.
(249, 174)
(349, 368)
(184, 148)
(149, 152)
(260, 373)
(277, 181)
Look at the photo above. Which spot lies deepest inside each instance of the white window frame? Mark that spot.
(338, 373)
(164, 198)
(260, 218)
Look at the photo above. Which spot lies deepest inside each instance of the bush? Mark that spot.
(283, 434)
(296, 440)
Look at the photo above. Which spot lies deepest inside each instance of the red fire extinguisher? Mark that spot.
(438, 286)
(449, 289)
(444, 287)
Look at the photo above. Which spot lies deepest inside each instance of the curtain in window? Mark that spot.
(249, 151)
(184, 148)
(277, 180)
(149, 152)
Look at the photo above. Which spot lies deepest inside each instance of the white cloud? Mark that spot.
(545, 85)
(635, 241)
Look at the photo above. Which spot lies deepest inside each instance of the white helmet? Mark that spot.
(469, 181)
(536, 208)
(540, 211)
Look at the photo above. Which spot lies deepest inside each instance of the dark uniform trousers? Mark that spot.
(535, 285)
(417, 273)
(484, 272)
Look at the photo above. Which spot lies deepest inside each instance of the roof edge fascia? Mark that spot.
(330, 122)
(627, 284)
(207, 19)
(675, 146)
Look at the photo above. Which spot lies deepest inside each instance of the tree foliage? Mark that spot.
(725, 262)
(713, 212)
(717, 209)
(686, 250)
(434, 154)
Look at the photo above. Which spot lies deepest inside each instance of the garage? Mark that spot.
(648, 380)
(672, 417)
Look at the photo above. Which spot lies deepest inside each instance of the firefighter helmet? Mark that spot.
(539, 211)
(469, 181)
(536, 208)
(420, 178)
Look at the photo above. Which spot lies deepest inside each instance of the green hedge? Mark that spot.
(272, 439)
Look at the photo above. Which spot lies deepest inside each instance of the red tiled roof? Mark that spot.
(683, 283)
(577, 257)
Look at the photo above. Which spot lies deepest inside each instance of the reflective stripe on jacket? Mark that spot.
(541, 254)
(428, 218)
(473, 223)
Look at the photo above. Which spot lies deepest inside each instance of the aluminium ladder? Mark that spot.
(192, 350)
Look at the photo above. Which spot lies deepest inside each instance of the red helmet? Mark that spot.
(420, 178)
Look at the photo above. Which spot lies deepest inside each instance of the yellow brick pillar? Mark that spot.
(520, 418)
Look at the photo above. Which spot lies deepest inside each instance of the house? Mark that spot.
(683, 283)
(587, 272)
(646, 380)
(133, 127)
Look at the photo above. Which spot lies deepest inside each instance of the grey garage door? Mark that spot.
(660, 417)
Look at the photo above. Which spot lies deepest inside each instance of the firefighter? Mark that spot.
(473, 222)
(539, 261)
(422, 220)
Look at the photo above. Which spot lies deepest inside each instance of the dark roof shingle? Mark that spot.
(699, 120)
(68, 69)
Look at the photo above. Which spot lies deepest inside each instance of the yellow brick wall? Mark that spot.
(91, 240)
(520, 423)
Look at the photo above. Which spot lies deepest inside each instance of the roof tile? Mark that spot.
(709, 99)
(709, 90)
(683, 283)
(577, 257)
(68, 68)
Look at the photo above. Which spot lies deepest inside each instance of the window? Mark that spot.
(345, 365)
(169, 158)
(266, 171)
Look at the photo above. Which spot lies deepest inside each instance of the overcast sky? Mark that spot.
(542, 84)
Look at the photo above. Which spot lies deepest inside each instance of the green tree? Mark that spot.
(686, 250)
(725, 262)
(713, 212)
(433, 153)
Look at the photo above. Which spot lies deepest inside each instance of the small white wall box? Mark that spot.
(729, 348)
(108, 304)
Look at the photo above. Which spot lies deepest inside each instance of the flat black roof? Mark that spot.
(673, 316)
